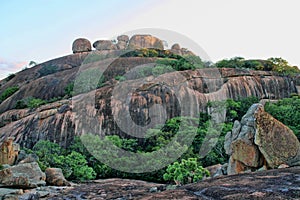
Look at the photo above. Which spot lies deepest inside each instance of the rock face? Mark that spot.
(58, 121)
(81, 45)
(27, 175)
(145, 41)
(54, 176)
(9, 151)
(260, 140)
(104, 45)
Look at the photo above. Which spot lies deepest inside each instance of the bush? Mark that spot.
(74, 165)
(78, 165)
(9, 77)
(187, 171)
(8, 92)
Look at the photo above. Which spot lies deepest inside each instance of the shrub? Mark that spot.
(186, 171)
(74, 165)
(8, 92)
(120, 78)
(9, 77)
(78, 165)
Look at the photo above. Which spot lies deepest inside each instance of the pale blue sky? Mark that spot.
(40, 30)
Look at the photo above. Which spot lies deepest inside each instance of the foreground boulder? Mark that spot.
(27, 175)
(145, 41)
(54, 176)
(81, 45)
(260, 140)
(9, 152)
(277, 142)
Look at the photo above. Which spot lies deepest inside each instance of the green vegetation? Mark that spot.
(69, 89)
(73, 164)
(187, 171)
(120, 78)
(9, 77)
(278, 65)
(31, 102)
(287, 111)
(79, 163)
(8, 92)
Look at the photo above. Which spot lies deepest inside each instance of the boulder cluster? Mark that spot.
(125, 43)
(21, 176)
(260, 142)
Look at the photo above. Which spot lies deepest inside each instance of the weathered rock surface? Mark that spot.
(122, 42)
(54, 123)
(54, 176)
(260, 140)
(27, 175)
(81, 45)
(104, 45)
(9, 151)
(176, 49)
(26, 158)
(278, 144)
(270, 185)
(145, 41)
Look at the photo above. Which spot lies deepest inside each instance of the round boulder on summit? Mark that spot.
(81, 45)
(145, 41)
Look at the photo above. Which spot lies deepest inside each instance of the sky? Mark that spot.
(40, 30)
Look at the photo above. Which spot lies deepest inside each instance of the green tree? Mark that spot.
(186, 171)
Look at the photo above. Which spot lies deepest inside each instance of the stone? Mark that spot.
(28, 158)
(6, 191)
(249, 155)
(235, 167)
(145, 41)
(283, 166)
(54, 176)
(214, 170)
(9, 151)
(121, 45)
(231, 136)
(104, 45)
(27, 175)
(260, 142)
(175, 47)
(81, 45)
(276, 142)
(30, 196)
(123, 38)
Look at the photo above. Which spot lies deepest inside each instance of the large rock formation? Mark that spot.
(259, 139)
(145, 41)
(58, 121)
(81, 45)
